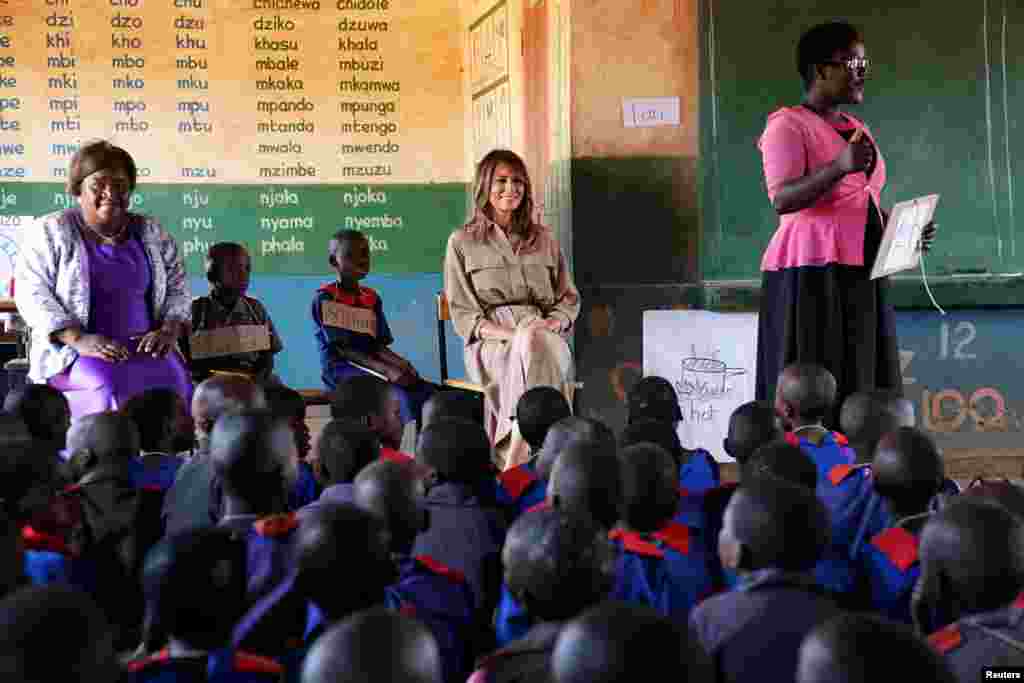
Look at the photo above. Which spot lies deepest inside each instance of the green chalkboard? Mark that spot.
(285, 227)
(946, 87)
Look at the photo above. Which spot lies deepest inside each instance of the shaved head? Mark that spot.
(650, 487)
(972, 557)
(389, 491)
(220, 395)
(751, 426)
(806, 392)
(867, 415)
(108, 438)
(785, 461)
(565, 432)
(586, 480)
(254, 455)
(907, 470)
(374, 646)
(617, 641)
(859, 648)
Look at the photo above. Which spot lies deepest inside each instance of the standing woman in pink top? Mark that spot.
(824, 174)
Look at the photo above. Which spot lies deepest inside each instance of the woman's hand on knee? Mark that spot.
(98, 346)
(157, 343)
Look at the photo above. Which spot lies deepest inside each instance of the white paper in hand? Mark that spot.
(901, 242)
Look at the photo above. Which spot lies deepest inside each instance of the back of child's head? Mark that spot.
(539, 408)
(806, 392)
(653, 398)
(344, 448)
(773, 524)
(863, 648)
(564, 433)
(103, 439)
(254, 456)
(650, 487)
(657, 432)
(616, 642)
(367, 399)
(907, 470)
(867, 415)
(29, 480)
(289, 405)
(586, 481)
(457, 451)
(158, 414)
(55, 634)
(44, 410)
(343, 559)
(221, 395)
(782, 460)
(195, 585)
(973, 551)
(389, 490)
(751, 426)
(556, 564)
(448, 405)
(373, 646)
(217, 255)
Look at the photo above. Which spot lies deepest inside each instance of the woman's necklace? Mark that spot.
(108, 239)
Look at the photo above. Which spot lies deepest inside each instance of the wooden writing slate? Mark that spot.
(362, 320)
(228, 341)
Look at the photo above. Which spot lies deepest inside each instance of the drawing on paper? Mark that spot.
(705, 378)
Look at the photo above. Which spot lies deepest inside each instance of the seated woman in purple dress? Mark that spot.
(103, 290)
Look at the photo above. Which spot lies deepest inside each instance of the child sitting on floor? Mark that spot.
(804, 399)
(228, 267)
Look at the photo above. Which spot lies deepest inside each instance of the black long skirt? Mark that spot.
(833, 315)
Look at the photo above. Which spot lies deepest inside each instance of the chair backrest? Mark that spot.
(443, 316)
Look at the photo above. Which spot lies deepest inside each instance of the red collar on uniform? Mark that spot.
(516, 480)
(899, 545)
(674, 535)
(365, 298)
(441, 569)
(946, 640)
(276, 525)
(38, 540)
(838, 474)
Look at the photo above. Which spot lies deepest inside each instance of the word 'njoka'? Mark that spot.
(227, 341)
(349, 318)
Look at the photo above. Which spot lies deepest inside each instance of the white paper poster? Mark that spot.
(711, 360)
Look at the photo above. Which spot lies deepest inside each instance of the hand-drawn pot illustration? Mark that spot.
(706, 378)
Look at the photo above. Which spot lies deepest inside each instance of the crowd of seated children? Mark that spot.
(228, 267)
(349, 351)
(214, 566)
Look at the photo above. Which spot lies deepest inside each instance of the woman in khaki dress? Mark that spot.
(511, 298)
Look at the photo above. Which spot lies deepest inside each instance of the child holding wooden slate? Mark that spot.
(352, 331)
(231, 332)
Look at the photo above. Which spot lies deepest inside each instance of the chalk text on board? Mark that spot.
(285, 197)
(128, 62)
(379, 108)
(290, 147)
(189, 23)
(195, 199)
(126, 82)
(272, 126)
(296, 170)
(346, 149)
(58, 40)
(192, 83)
(183, 4)
(356, 85)
(67, 124)
(281, 64)
(381, 128)
(366, 171)
(186, 41)
(289, 246)
(286, 4)
(63, 149)
(364, 5)
(196, 246)
(275, 23)
(12, 172)
(286, 83)
(8, 150)
(348, 44)
(7, 199)
(65, 81)
(287, 223)
(128, 21)
(125, 42)
(361, 64)
(198, 172)
(60, 20)
(264, 43)
(362, 25)
(197, 223)
(195, 126)
(61, 61)
(190, 62)
(364, 198)
(277, 106)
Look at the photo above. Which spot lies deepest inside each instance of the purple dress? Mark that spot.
(119, 284)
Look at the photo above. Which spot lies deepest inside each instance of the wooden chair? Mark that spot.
(443, 316)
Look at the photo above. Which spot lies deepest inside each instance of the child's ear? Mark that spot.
(727, 447)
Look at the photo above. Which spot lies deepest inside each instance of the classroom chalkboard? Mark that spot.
(268, 122)
(942, 100)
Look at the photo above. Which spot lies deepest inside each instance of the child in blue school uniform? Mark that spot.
(804, 398)
(662, 563)
(165, 431)
(774, 532)
(520, 487)
(344, 352)
(654, 399)
(195, 592)
(907, 474)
